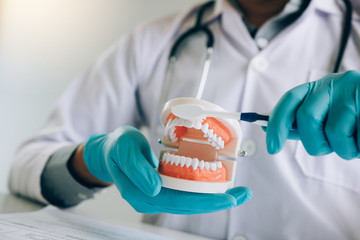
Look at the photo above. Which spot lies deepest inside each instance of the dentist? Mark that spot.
(269, 55)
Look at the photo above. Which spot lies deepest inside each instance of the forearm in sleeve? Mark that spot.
(90, 105)
(58, 185)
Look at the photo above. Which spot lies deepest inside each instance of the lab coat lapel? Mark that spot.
(235, 29)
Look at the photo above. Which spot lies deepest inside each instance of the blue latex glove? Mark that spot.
(326, 113)
(125, 158)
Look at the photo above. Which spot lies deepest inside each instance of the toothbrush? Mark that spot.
(197, 112)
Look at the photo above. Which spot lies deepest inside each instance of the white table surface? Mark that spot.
(107, 207)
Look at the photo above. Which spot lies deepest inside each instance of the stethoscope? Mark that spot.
(203, 28)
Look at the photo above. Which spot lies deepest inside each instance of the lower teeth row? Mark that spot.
(187, 161)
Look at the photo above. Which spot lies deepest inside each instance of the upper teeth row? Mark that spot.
(187, 161)
(215, 141)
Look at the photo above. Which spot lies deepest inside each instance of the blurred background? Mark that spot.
(45, 45)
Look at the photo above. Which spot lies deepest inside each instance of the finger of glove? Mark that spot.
(341, 131)
(150, 155)
(137, 168)
(146, 150)
(94, 155)
(142, 174)
(133, 195)
(139, 139)
(282, 118)
(310, 119)
(241, 194)
(171, 201)
(127, 153)
(180, 202)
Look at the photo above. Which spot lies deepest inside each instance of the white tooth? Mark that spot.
(172, 129)
(222, 144)
(213, 166)
(214, 137)
(219, 164)
(174, 122)
(197, 125)
(163, 157)
(195, 163)
(175, 159)
(182, 161)
(167, 131)
(218, 145)
(210, 133)
(213, 144)
(189, 124)
(179, 160)
(205, 127)
(188, 162)
(167, 135)
(172, 157)
(167, 158)
(172, 135)
(169, 122)
(201, 164)
(218, 140)
(181, 122)
(217, 148)
(206, 165)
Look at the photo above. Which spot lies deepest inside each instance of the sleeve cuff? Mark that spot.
(58, 186)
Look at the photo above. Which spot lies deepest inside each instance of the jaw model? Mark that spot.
(198, 162)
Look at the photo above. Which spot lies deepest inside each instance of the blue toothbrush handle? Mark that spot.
(253, 117)
(259, 119)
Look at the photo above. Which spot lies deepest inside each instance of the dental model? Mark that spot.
(201, 149)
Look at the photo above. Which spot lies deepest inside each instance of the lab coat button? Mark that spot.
(249, 146)
(262, 42)
(260, 64)
(239, 237)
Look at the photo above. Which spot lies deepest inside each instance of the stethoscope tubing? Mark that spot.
(345, 35)
(203, 28)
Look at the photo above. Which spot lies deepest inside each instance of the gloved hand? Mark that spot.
(326, 113)
(125, 158)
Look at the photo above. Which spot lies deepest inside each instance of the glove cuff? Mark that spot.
(94, 157)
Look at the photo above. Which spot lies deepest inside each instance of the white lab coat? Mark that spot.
(296, 196)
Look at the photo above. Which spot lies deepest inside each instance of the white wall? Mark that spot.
(45, 44)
